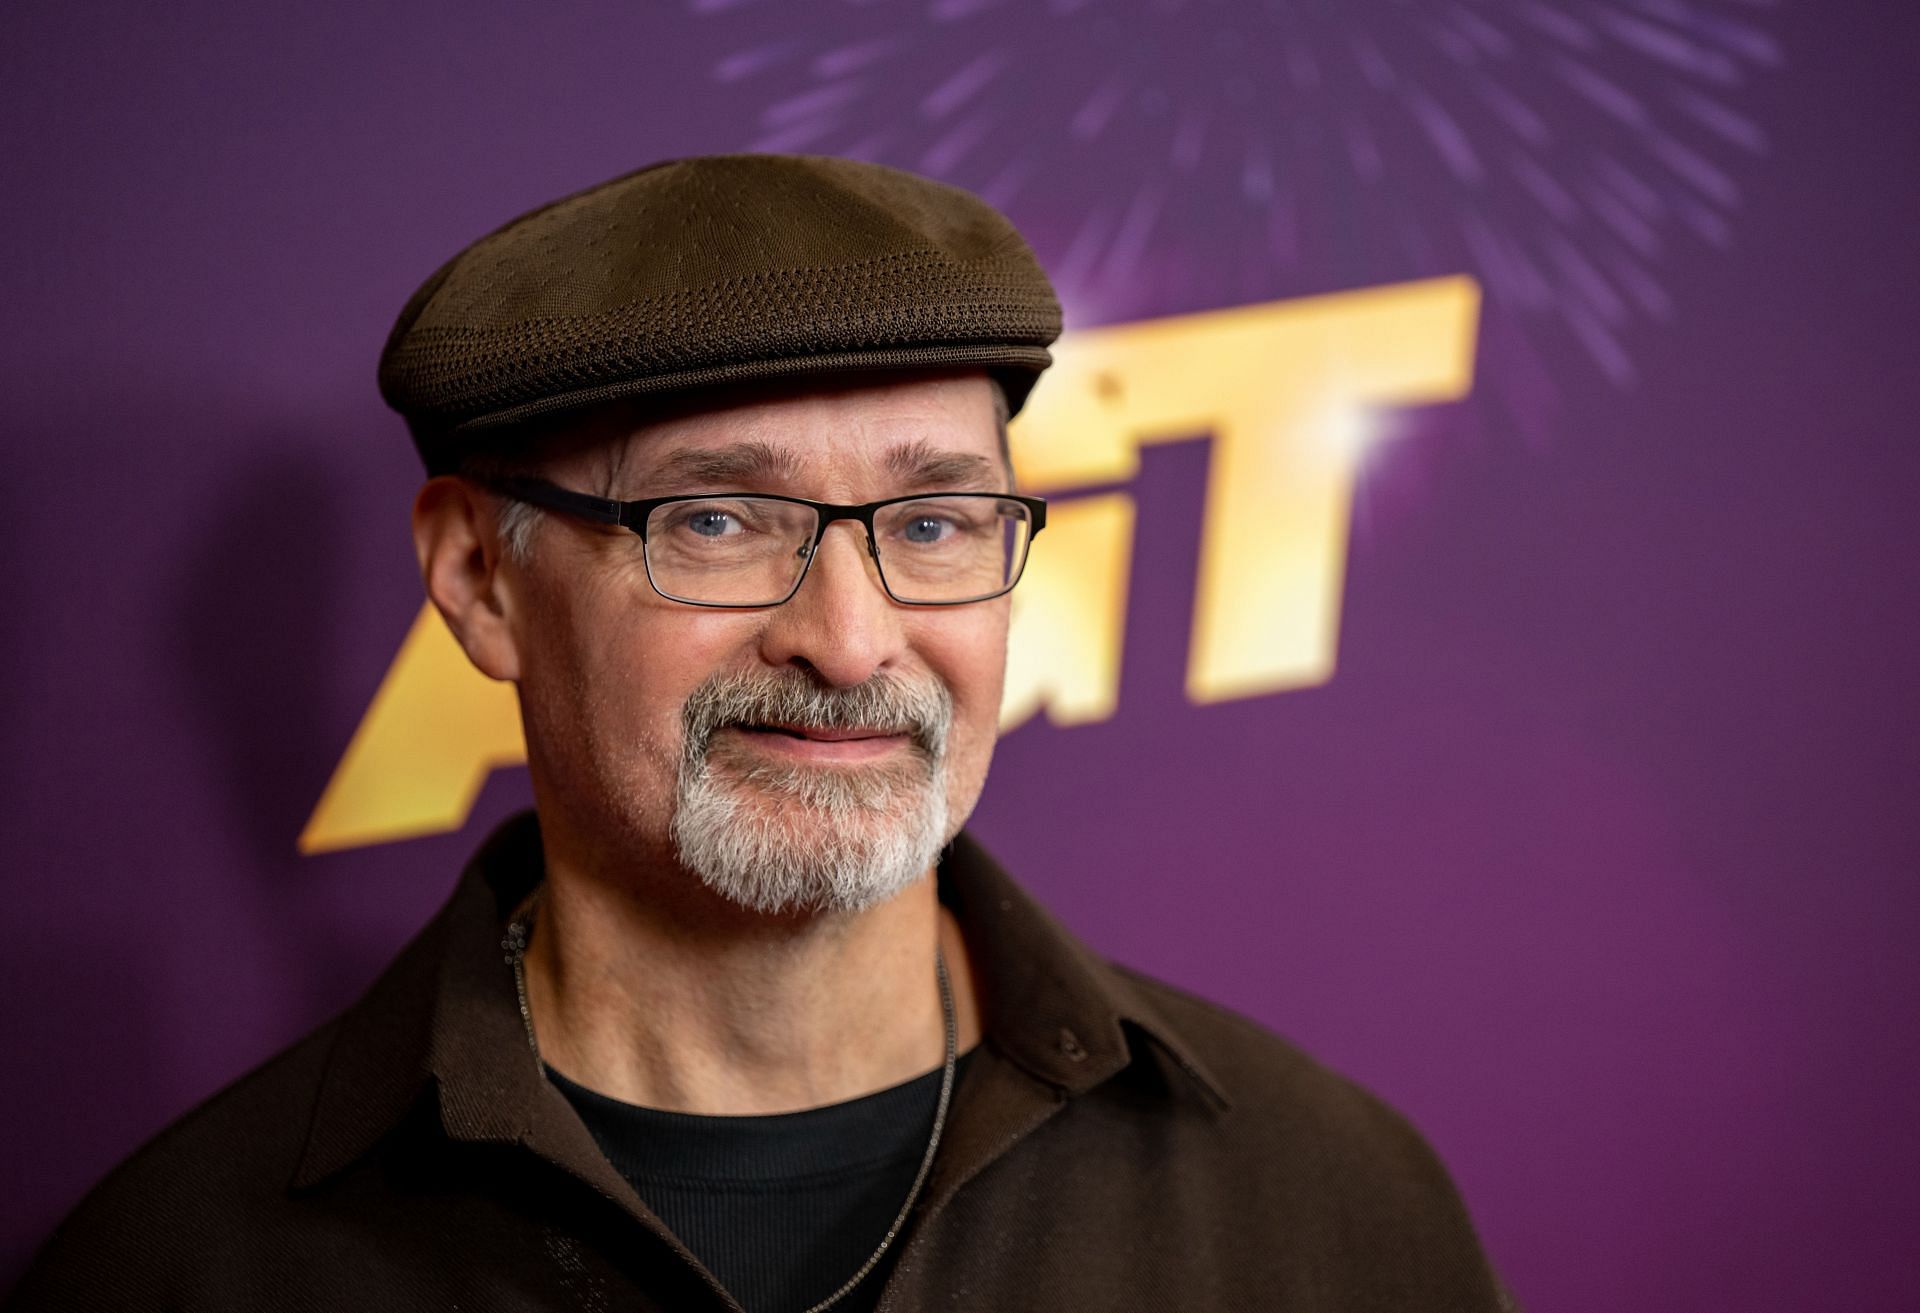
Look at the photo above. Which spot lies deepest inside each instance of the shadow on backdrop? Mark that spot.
(259, 651)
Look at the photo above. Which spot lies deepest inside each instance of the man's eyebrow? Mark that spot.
(740, 464)
(923, 465)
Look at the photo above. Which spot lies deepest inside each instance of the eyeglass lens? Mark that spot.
(751, 551)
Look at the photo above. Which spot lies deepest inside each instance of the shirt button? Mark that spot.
(1071, 1046)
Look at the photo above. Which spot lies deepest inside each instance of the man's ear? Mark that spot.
(459, 550)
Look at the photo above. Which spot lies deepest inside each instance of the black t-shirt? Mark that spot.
(784, 1208)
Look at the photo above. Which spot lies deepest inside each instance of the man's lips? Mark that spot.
(823, 735)
(817, 743)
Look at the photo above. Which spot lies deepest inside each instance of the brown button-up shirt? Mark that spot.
(1115, 1145)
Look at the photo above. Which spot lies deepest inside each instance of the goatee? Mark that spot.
(778, 837)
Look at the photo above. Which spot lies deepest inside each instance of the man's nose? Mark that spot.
(841, 624)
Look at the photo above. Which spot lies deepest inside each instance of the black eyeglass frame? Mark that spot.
(633, 515)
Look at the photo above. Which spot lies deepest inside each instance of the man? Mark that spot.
(720, 483)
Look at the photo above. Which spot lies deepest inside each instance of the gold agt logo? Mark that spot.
(1290, 392)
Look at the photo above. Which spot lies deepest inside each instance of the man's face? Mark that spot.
(810, 755)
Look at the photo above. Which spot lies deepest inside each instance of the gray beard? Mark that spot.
(777, 838)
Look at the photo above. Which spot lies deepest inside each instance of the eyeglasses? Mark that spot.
(753, 550)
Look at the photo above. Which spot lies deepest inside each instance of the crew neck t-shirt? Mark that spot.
(782, 1208)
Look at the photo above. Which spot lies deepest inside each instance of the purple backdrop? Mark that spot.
(1597, 856)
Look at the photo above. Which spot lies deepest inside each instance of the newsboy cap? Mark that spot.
(721, 269)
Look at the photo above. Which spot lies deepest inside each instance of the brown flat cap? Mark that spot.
(715, 270)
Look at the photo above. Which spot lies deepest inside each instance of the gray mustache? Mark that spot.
(884, 703)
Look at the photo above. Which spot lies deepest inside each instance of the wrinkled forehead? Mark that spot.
(861, 439)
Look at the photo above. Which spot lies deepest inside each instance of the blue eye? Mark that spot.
(710, 524)
(925, 529)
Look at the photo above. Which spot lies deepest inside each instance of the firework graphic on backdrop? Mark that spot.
(1239, 150)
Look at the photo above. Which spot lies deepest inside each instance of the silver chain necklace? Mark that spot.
(520, 932)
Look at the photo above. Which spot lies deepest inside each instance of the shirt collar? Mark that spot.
(444, 1016)
(1058, 1009)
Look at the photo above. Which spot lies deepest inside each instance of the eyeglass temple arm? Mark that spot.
(538, 492)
